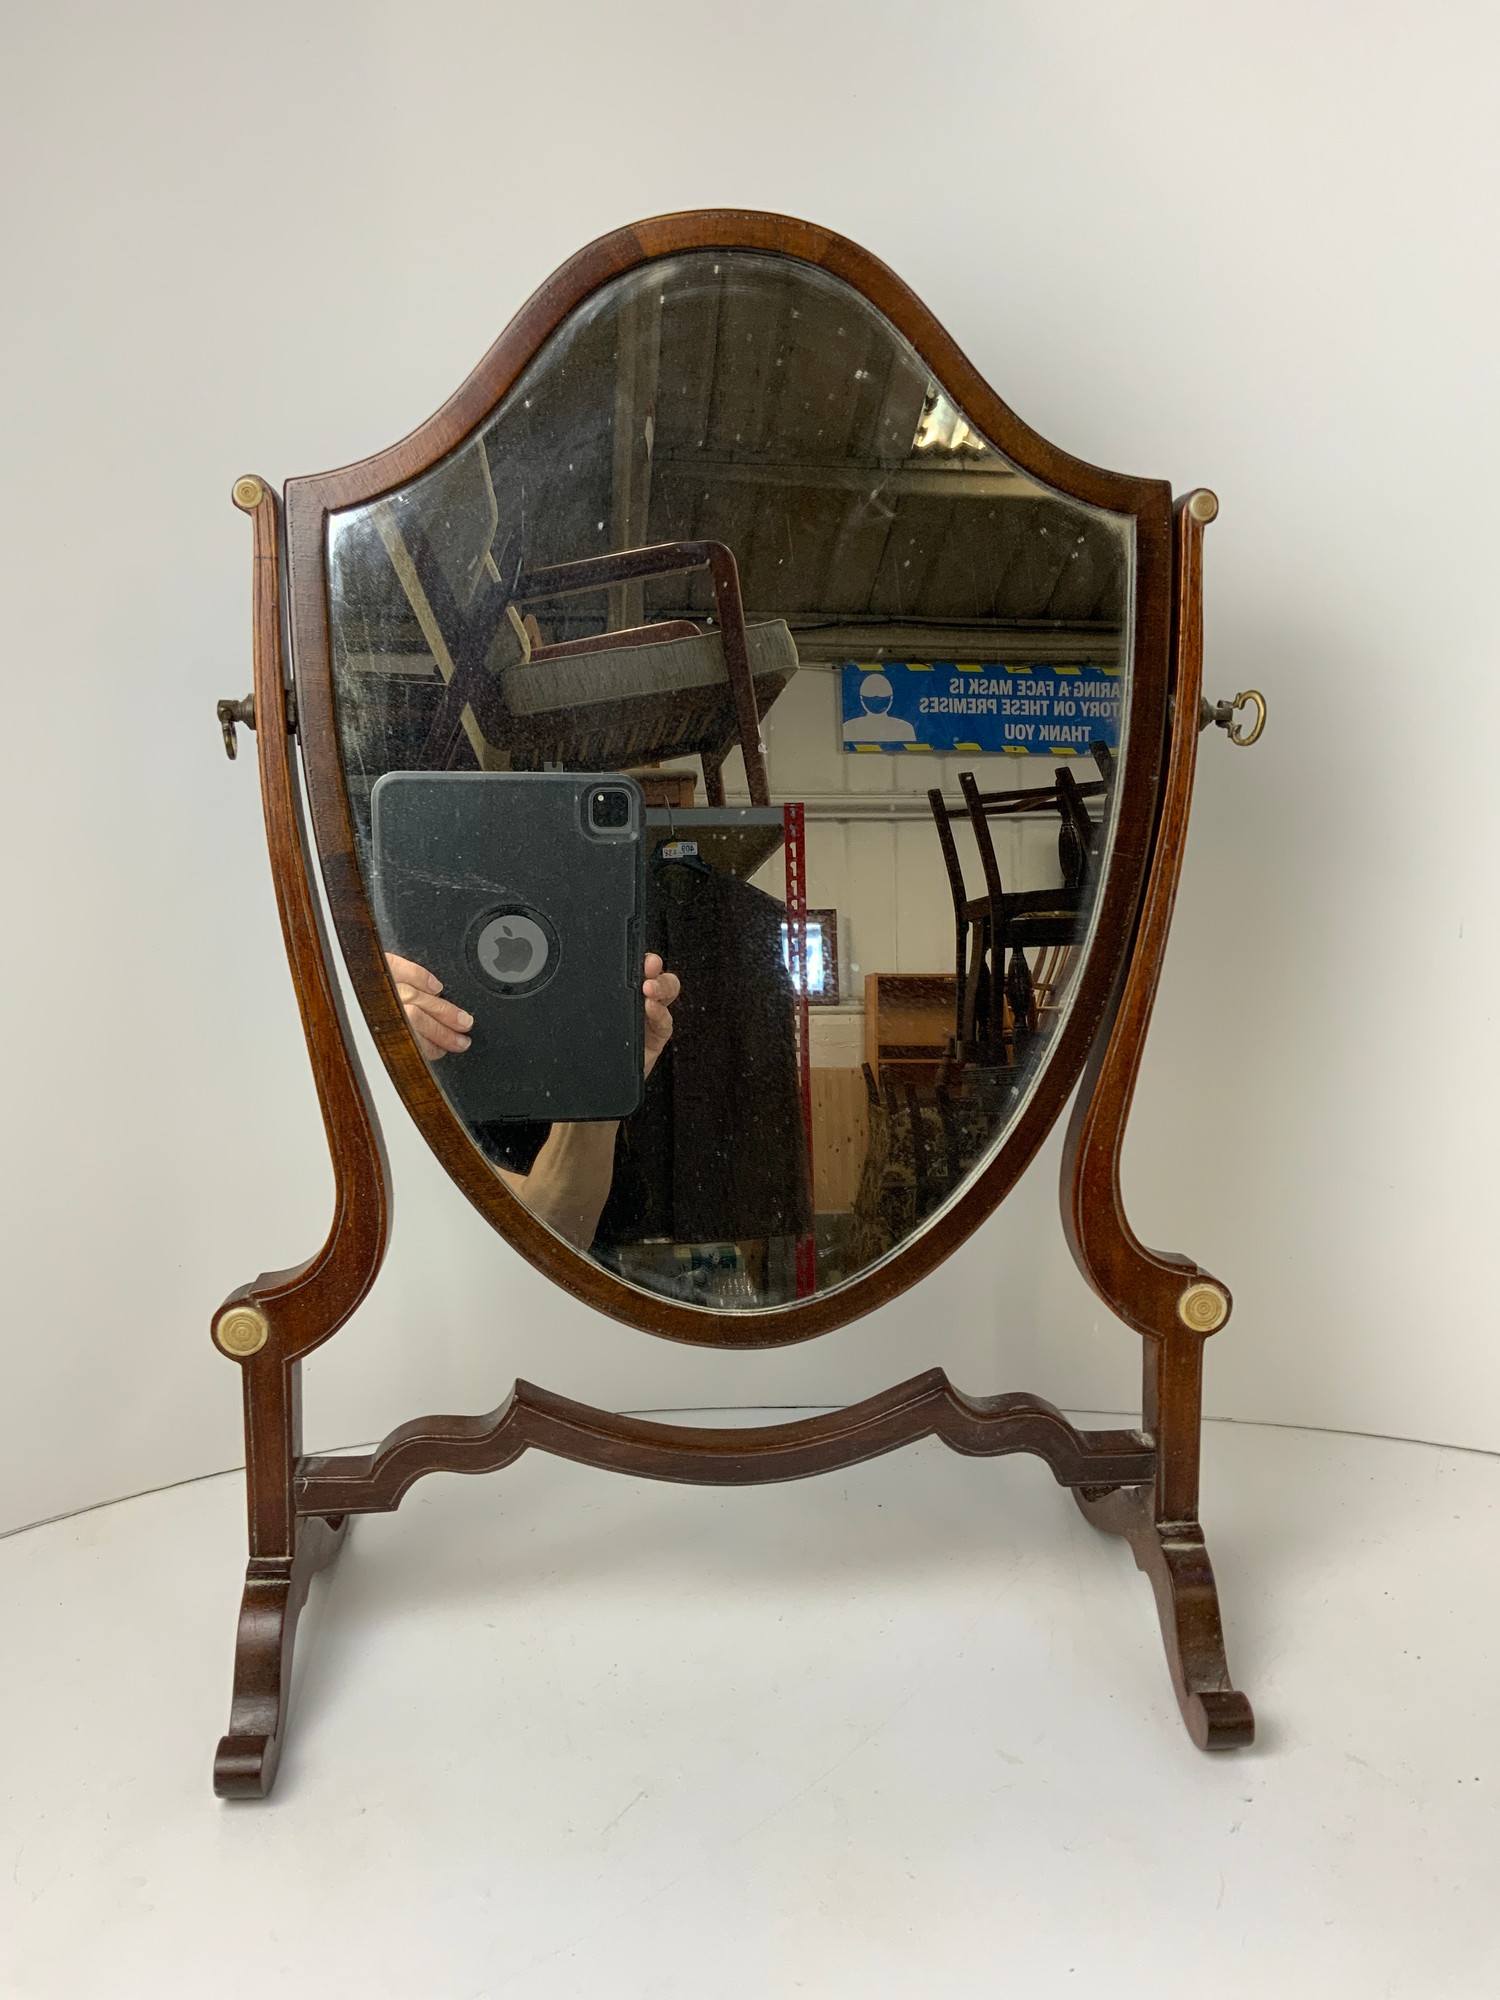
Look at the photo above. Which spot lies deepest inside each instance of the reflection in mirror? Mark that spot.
(726, 613)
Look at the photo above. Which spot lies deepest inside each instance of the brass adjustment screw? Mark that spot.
(242, 1331)
(247, 492)
(231, 712)
(1204, 1308)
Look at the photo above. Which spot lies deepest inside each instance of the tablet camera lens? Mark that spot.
(609, 810)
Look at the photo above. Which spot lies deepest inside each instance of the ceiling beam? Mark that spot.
(946, 482)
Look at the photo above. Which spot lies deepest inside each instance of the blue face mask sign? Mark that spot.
(949, 709)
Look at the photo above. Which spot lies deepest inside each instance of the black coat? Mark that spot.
(717, 1152)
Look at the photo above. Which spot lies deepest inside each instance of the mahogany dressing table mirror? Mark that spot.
(866, 722)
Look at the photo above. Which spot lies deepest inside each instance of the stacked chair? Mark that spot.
(1003, 996)
(610, 701)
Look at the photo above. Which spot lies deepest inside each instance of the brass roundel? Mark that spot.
(1203, 1307)
(247, 492)
(1204, 506)
(243, 1330)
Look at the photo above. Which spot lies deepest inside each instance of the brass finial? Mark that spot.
(242, 1331)
(1203, 1307)
(1204, 506)
(248, 493)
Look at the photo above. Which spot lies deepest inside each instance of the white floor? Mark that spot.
(907, 1730)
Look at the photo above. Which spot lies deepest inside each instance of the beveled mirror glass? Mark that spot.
(729, 536)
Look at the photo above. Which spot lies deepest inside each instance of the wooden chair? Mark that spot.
(999, 1002)
(631, 697)
(1077, 832)
(1078, 853)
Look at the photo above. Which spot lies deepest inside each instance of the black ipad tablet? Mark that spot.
(522, 892)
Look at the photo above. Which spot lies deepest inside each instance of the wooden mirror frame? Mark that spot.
(1142, 1484)
(309, 504)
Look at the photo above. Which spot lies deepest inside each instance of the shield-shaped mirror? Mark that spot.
(732, 739)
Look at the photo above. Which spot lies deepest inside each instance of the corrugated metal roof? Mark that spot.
(753, 401)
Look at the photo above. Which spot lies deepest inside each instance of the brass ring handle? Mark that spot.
(1251, 698)
(1222, 715)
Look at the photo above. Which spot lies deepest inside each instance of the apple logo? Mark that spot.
(510, 953)
(512, 949)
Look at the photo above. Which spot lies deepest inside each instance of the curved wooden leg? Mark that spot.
(275, 1592)
(1170, 1300)
(1175, 1557)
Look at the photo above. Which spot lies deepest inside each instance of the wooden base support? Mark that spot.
(533, 1419)
(1175, 1557)
(275, 1592)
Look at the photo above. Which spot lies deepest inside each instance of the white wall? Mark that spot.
(1249, 245)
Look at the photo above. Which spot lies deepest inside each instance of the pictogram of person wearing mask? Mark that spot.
(876, 724)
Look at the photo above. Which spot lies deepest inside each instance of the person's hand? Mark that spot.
(661, 988)
(439, 1026)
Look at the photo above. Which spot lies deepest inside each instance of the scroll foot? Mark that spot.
(1174, 1556)
(275, 1592)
